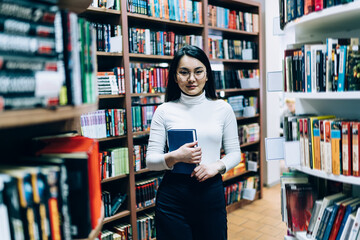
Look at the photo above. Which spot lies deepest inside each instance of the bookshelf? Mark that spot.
(106, 61)
(333, 22)
(18, 127)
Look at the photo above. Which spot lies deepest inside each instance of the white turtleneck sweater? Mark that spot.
(215, 124)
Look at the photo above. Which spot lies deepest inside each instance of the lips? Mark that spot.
(191, 86)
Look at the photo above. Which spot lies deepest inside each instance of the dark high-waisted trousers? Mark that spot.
(189, 210)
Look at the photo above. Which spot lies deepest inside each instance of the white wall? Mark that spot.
(273, 63)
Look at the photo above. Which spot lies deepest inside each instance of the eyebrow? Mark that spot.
(197, 68)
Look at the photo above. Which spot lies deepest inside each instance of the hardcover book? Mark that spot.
(177, 138)
(355, 148)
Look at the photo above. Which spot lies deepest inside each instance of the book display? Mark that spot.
(321, 140)
(48, 190)
(132, 78)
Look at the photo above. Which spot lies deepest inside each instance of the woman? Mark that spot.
(192, 206)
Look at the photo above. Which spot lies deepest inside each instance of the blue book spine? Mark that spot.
(342, 64)
(330, 223)
(308, 72)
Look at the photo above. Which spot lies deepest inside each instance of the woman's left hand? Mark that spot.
(204, 172)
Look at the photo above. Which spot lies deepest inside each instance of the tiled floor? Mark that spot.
(261, 220)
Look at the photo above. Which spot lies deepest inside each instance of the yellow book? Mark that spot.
(335, 147)
(314, 141)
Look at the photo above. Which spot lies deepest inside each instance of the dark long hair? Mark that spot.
(173, 91)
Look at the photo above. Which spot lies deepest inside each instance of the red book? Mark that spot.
(355, 148)
(346, 148)
(319, 5)
(84, 152)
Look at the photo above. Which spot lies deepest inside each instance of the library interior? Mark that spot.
(179, 119)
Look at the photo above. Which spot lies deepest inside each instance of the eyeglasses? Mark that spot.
(185, 75)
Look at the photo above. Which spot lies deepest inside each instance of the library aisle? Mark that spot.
(260, 220)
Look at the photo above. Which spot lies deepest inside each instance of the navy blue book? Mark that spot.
(177, 138)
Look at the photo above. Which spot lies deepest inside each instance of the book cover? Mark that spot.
(309, 6)
(342, 68)
(177, 138)
(336, 161)
(327, 146)
(346, 130)
(314, 214)
(353, 74)
(348, 226)
(299, 202)
(324, 221)
(355, 148)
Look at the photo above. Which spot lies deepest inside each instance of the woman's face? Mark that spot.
(191, 76)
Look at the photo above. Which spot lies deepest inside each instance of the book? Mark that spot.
(4, 215)
(348, 226)
(336, 147)
(353, 76)
(324, 222)
(327, 201)
(355, 148)
(177, 138)
(314, 213)
(339, 217)
(355, 228)
(299, 202)
(332, 218)
(346, 130)
(348, 211)
(80, 156)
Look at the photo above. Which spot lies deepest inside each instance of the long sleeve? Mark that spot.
(157, 141)
(231, 142)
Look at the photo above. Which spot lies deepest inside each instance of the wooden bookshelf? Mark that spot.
(108, 54)
(234, 61)
(28, 117)
(249, 144)
(247, 118)
(145, 208)
(111, 179)
(104, 11)
(111, 96)
(147, 94)
(112, 138)
(237, 90)
(150, 57)
(117, 216)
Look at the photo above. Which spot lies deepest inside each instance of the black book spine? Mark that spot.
(18, 27)
(28, 11)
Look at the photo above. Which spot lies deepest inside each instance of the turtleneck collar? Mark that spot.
(192, 100)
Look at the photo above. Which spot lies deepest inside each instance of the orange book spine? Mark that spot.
(355, 148)
(316, 134)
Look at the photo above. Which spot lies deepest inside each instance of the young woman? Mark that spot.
(192, 206)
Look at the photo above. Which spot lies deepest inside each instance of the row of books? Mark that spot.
(326, 143)
(145, 78)
(145, 191)
(108, 37)
(182, 11)
(249, 133)
(114, 162)
(142, 116)
(334, 216)
(243, 106)
(112, 202)
(103, 123)
(115, 4)
(323, 67)
(239, 190)
(124, 230)
(231, 49)
(36, 69)
(146, 41)
(46, 196)
(140, 157)
(246, 156)
(111, 83)
(146, 227)
(232, 19)
(241, 78)
(293, 9)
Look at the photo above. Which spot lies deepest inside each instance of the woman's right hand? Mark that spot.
(187, 153)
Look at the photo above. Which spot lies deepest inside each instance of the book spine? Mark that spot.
(18, 27)
(27, 45)
(346, 129)
(336, 147)
(27, 11)
(355, 148)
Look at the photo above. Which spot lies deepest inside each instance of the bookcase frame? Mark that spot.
(126, 19)
(337, 22)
